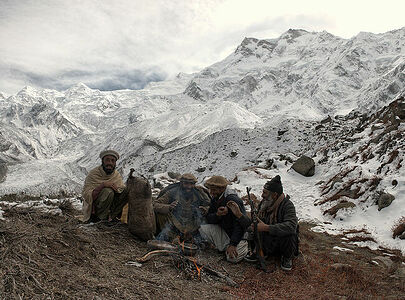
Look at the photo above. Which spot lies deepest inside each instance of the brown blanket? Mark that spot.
(96, 177)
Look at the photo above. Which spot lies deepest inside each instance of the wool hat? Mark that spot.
(216, 181)
(188, 177)
(109, 152)
(274, 185)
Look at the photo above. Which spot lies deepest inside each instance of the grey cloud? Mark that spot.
(105, 80)
(134, 79)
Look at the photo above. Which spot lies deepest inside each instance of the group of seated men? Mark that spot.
(212, 216)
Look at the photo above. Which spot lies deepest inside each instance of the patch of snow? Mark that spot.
(343, 249)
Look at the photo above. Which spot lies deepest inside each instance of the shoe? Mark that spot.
(286, 263)
(252, 258)
(93, 219)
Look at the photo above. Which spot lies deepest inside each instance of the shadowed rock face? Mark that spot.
(141, 217)
(3, 171)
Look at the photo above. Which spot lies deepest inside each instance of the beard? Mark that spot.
(108, 169)
(187, 192)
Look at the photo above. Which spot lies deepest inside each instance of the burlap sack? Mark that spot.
(141, 217)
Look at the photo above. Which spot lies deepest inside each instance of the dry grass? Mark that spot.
(342, 204)
(329, 184)
(361, 239)
(363, 230)
(319, 275)
(346, 191)
(398, 228)
(393, 154)
(55, 257)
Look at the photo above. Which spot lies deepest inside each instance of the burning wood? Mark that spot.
(182, 260)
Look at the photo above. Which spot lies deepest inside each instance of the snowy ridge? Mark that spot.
(327, 73)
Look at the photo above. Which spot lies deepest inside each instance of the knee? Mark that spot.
(106, 193)
(204, 229)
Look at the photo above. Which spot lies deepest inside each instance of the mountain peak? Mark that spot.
(79, 86)
(79, 89)
(292, 34)
(249, 46)
(28, 90)
(3, 96)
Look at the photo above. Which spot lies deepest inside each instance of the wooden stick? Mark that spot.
(212, 271)
(154, 253)
(228, 280)
(206, 268)
(37, 283)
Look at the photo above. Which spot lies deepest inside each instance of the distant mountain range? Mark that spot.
(195, 121)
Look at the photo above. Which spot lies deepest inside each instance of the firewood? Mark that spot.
(153, 253)
(191, 260)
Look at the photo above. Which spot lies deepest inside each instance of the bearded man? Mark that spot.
(224, 230)
(180, 208)
(277, 224)
(104, 192)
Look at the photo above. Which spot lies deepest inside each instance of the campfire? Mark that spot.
(183, 255)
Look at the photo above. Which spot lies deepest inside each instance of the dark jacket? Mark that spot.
(228, 222)
(286, 220)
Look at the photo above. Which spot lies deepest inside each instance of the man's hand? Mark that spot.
(222, 211)
(173, 205)
(231, 251)
(204, 210)
(109, 184)
(234, 208)
(261, 226)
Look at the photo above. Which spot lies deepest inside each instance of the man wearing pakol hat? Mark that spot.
(104, 191)
(277, 224)
(180, 208)
(223, 229)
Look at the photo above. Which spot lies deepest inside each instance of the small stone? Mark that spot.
(341, 267)
(174, 175)
(233, 154)
(201, 169)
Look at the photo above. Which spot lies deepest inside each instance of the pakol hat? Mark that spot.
(216, 181)
(188, 177)
(274, 185)
(109, 152)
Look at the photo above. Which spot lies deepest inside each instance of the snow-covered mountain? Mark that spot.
(263, 106)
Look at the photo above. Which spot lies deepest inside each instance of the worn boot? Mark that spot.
(286, 263)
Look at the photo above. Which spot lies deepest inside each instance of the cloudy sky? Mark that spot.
(128, 43)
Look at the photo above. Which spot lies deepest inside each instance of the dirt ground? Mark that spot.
(43, 256)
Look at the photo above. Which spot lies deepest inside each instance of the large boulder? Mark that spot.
(384, 200)
(304, 166)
